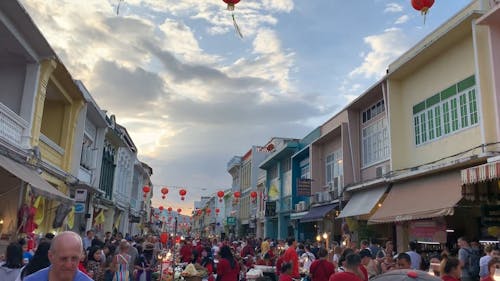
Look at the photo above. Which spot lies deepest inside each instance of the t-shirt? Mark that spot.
(291, 256)
(321, 270)
(344, 276)
(225, 271)
(416, 259)
(483, 266)
(43, 275)
(362, 268)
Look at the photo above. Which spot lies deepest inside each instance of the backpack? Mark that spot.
(472, 262)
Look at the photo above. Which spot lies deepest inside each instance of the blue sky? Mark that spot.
(192, 93)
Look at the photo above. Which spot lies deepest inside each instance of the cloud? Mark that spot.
(393, 8)
(402, 19)
(384, 48)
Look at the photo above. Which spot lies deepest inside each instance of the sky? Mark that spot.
(192, 93)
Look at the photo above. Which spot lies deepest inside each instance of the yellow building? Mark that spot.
(57, 104)
(441, 119)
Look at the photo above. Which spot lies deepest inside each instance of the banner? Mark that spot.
(304, 187)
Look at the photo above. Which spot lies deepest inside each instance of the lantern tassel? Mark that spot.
(236, 27)
(424, 13)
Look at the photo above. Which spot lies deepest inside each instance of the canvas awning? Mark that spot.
(428, 197)
(39, 185)
(318, 212)
(363, 202)
(481, 173)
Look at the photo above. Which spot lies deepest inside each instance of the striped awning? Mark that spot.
(481, 173)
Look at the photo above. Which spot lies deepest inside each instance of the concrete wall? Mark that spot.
(12, 76)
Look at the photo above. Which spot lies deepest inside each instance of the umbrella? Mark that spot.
(405, 275)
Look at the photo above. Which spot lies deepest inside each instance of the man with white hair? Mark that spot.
(64, 255)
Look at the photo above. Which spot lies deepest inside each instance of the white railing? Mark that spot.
(12, 126)
(51, 144)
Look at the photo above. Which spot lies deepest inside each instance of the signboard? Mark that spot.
(428, 230)
(304, 187)
(79, 208)
(490, 215)
(80, 195)
(270, 209)
(231, 221)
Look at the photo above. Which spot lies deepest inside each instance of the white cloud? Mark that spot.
(402, 19)
(393, 8)
(384, 48)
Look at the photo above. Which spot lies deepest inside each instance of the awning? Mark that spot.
(363, 202)
(318, 213)
(297, 216)
(481, 173)
(431, 196)
(39, 185)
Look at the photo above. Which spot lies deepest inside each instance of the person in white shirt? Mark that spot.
(416, 259)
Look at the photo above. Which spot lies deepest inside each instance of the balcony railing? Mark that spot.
(12, 126)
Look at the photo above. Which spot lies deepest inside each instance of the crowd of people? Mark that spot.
(68, 257)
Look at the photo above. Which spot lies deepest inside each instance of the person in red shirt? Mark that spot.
(286, 271)
(351, 273)
(248, 249)
(321, 269)
(186, 251)
(291, 256)
(450, 269)
(228, 268)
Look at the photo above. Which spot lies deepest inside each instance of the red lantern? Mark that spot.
(146, 189)
(169, 210)
(182, 193)
(220, 194)
(253, 195)
(199, 212)
(217, 210)
(160, 208)
(231, 3)
(237, 194)
(164, 191)
(179, 210)
(208, 211)
(422, 5)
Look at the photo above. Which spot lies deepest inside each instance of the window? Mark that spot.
(449, 111)
(376, 142)
(334, 166)
(373, 111)
(87, 156)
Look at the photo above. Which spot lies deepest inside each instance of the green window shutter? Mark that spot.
(446, 118)
(433, 100)
(419, 107)
(454, 115)
(437, 121)
(416, 125)
(423, 127)
(463, 111)
(430, 121)
(450, 92)
(466, 83)
(473, 107)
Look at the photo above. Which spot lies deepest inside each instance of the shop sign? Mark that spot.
(231, 221)
(79, 208)
(270, 209)
(490, 215)
(80, 195)
(304, 187)
(428, 231)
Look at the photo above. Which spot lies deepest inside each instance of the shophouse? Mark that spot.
(442, 120)
(26, 60)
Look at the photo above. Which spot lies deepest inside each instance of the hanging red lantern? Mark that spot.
(253, 195)
(164, 238)
(199, 212)
(422, 5)
(179, 210)
(237, 194)
(217, 211)
(182, 193)
(208, 211)
(164, 191)
(160, 208)
(146, 189)
(169, 209)
(230, 4)
(220, 194)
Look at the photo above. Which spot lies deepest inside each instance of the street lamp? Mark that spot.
(325, 236)
(318, 238)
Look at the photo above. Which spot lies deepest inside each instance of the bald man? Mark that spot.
(64, 255)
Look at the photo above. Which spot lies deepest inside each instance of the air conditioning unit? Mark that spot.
(325, 196)
(381, 171)
(297, 208)
(318, 197)
(302, 205)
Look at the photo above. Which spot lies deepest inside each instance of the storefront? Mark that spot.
(427, 210)
(322, 219)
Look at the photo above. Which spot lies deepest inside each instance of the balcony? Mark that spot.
(12, 126)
